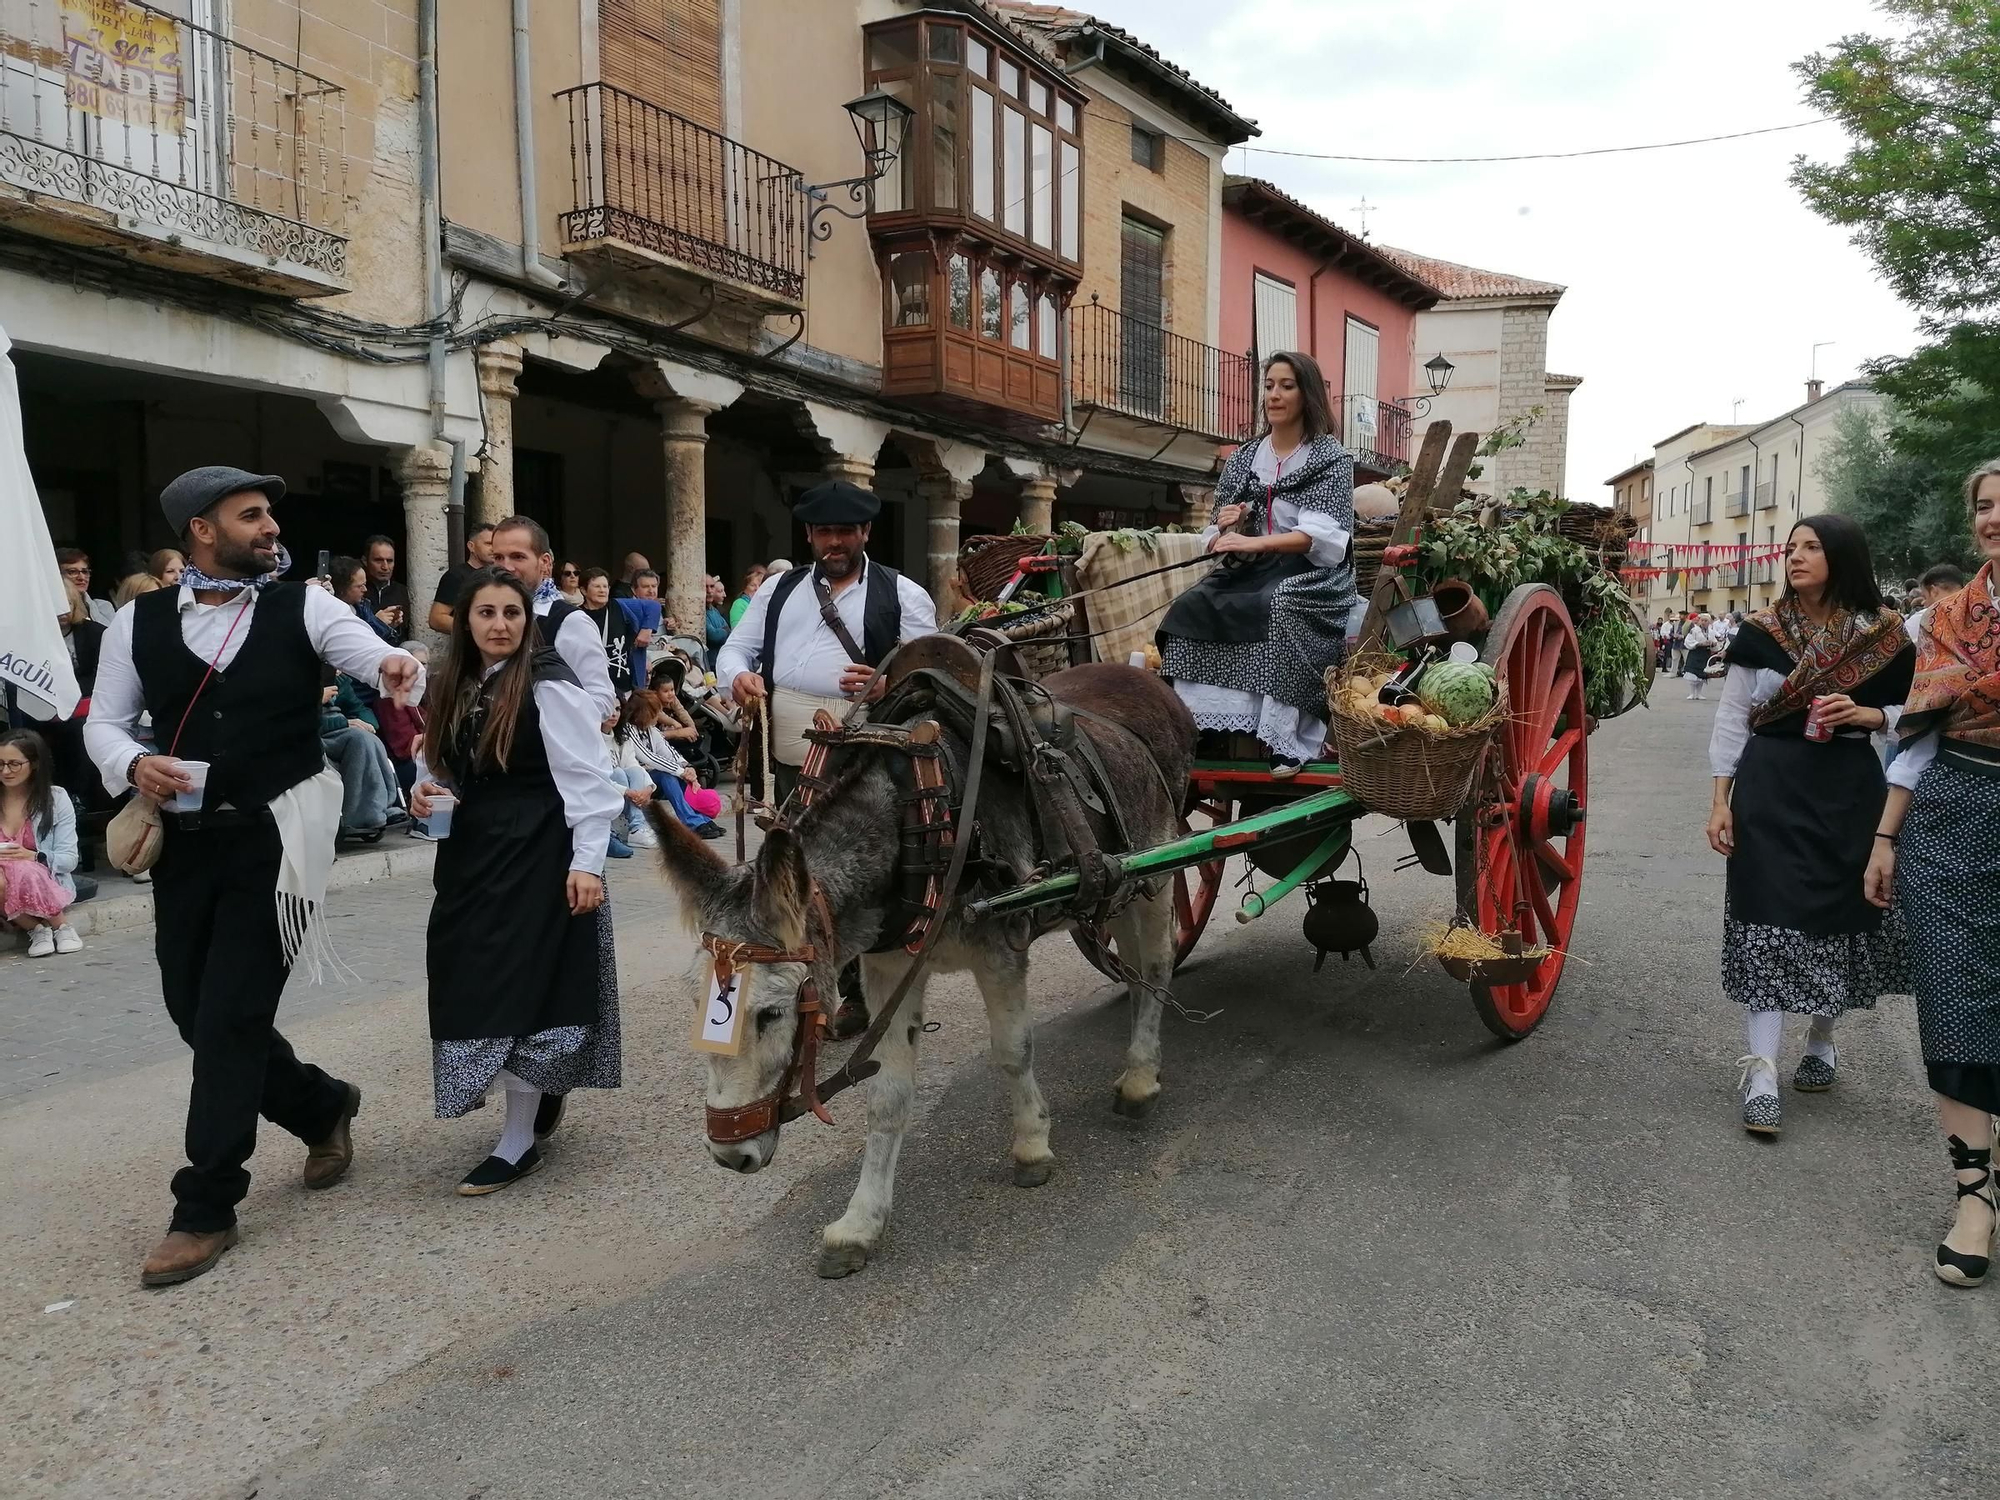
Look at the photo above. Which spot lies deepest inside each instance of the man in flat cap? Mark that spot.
(813, 637)
(229, 665)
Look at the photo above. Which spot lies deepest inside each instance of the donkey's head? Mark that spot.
(763, 905)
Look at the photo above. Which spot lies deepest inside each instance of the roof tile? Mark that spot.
(1054, 19)
(1456, 282)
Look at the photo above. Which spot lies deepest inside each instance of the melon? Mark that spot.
(1459, 692)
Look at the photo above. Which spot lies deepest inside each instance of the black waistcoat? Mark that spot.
(547, 625)
(257, 721)
(881, 615)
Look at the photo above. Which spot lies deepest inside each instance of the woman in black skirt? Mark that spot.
(1795, 815)
(523, 983)
(1247, 648)
(1938, 849)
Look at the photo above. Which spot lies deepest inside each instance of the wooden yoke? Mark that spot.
(1435, 483)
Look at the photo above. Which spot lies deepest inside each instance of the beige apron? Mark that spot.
(792, 715)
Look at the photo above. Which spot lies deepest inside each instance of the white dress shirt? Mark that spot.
(337, 634)
(810, 656)
(580, 766)
(1329, 541)
(577, 644)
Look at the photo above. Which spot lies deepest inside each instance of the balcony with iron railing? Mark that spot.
(1736, 503)
(1139, 370)
(126, 126)
(1767, 495)
(1703, 512)
(655, 192)
(1377, 433)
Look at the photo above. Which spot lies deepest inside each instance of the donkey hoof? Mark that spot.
(836, 1261)
(1032, 1174)
(1133, 1109)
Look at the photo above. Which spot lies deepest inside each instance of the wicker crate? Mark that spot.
(989, 562)
(1408, 772)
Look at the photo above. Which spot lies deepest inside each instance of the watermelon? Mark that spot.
(1458, 692)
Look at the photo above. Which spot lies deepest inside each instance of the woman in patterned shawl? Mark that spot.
(1247, 648)
(1795, 816)
(1938, 848)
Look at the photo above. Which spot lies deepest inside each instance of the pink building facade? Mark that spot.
(1294, 280)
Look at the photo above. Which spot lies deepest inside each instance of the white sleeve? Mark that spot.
(581, 769)
(116, 702)
(345, 643)
(653, 753)
(745, 645)
(1732, 721)
(1329, 540)
(579, 644)
(919, 609)
(1912, 761)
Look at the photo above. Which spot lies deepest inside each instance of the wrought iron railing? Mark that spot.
(1139, 369)
(133, 110)
(1377, 433)
(650, 177)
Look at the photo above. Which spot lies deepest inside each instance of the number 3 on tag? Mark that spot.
(718, 1027)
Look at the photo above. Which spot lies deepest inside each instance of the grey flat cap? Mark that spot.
(195, 491)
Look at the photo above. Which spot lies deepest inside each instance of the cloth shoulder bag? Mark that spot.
(134, 837)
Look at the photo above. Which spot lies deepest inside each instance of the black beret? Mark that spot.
(837, 503)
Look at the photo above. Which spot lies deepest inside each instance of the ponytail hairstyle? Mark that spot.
(455, 692)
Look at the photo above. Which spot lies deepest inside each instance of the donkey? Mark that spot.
(847, 843)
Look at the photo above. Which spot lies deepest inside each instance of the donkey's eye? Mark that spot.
(768, 1017)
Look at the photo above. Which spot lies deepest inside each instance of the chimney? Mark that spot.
(1814, 389)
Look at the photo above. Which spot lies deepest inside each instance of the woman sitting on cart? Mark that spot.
(1247, 648)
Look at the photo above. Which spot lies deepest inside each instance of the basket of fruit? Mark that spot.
(1411, 736)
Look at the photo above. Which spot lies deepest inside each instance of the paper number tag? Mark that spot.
(718, 1026)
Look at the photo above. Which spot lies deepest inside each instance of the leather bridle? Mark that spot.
(781, 1105)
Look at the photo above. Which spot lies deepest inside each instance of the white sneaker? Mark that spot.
(41, 942)
(641, 836)
(67, 940)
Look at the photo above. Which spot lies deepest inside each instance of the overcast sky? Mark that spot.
(1695, 275)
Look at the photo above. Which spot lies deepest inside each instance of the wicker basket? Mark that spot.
(1371, 538)
(989, 562)
(1041, 639)
(1410, 773)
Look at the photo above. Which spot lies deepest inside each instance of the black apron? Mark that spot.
(1233, 602)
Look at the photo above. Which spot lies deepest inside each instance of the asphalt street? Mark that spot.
(1360, 1248)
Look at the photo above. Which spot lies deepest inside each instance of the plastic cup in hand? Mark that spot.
(439, 822)
(196, 771)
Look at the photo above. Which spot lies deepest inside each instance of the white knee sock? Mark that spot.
(1819, 1040)
(1764, 1030)
(519, 1132)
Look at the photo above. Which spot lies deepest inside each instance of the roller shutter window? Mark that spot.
(668, 52)
(1358, 386)
(1276, 305)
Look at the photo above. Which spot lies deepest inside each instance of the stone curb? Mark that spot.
(132, 908)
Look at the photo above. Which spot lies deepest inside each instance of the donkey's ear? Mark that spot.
(706, 885)
(782, 889)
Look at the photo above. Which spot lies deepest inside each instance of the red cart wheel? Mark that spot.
(1520, 839)
(1195, 890)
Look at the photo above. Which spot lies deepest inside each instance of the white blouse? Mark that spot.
(1329, 541)
(1745, 689)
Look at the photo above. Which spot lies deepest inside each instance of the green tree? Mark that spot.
(1920, 189)
(1908, 505)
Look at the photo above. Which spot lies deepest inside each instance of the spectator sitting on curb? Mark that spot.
(350, 737)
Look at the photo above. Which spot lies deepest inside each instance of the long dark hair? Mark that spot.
(1850, 572)
(1317, 408)
(41, 781)
(454, 692)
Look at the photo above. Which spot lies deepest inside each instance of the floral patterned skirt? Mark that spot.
(1778, 968)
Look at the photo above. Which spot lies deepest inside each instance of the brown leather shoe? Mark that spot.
(328, 1161)
(182, 1256)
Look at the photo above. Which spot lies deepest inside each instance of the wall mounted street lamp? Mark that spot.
(1437, 375)
(1437, 370)
(881, 124)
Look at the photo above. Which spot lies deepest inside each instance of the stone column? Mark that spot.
(1038, 503)
(499, 366)
(856, 471)
(944, 499)
(425, 475)
(684, 432)
(1197, 500)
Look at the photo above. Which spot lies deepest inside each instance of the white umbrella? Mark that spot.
(33, 656)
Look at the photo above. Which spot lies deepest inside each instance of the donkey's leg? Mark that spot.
(1002, 975)
(1144, 934)
(847, 1242)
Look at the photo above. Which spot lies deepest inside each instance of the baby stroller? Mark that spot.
(714, 716)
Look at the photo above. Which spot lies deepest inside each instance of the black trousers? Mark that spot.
(222, 969)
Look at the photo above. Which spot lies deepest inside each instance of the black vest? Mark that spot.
(550, 623)
(257, 721)
(881, 616)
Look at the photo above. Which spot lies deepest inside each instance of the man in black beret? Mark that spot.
(229, 665)
(812, 638)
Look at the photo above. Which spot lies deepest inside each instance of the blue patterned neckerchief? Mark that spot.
(193, 577)
(546, 592)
